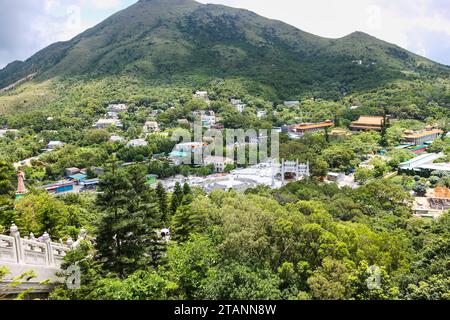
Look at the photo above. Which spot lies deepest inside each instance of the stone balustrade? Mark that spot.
(42, 252)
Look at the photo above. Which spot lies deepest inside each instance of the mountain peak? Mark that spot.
(168, 3)
(166, 39)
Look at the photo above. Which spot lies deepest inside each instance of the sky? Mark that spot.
(421, 26)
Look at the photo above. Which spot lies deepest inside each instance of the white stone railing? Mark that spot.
(34, 252)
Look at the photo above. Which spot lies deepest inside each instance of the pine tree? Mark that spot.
(7, 176)
(6, 179)
(127, 237)
(384, 126)
(327, 135)
(186, 189)
(162, 200)
(177, 198)
(187, 192)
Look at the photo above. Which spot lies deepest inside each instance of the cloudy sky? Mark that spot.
(421, 26)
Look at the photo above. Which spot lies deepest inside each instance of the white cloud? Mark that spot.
(102, 4)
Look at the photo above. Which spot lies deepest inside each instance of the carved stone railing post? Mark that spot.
(50, 256)
(82, 235)
(41, 252)
(17, 243)
(70, 243)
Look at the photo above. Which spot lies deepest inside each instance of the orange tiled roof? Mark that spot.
(442, 192)
(368, 121)
(305, 126)
(416, 135)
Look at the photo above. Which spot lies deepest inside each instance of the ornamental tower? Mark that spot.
(21, 190)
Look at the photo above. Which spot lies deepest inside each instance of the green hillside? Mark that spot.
(182, 40)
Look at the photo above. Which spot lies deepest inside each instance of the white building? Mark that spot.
(117, 108)
(137, 143)
(105, 123)
(189, 147)
(151, 126)
(3, 132)
(183, 121)
(52, 145)
(154, 113)
(115, 138)
(201, 95)
(259, 138)
(208, 121)
(238, 104)
(291, 103)
(219, 162)
(240, 107)
(207, 117)
(111, 114)
(261, 114)
(184, 151)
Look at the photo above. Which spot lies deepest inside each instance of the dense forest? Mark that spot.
(309, 239)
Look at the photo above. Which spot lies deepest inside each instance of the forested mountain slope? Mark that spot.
(182, 40)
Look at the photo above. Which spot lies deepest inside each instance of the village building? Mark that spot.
(208, 120)
(89, 184)
(183, 121)
(425, 164)
(105, 123)
(259, 138)
(298, 130)
(277, 129)
(184, 151)
(290, 104)
(218, 126)
(78, 177)
(154, 113)
(4, 132)
(115, 138)
(60, 187)
(113, 115)
(201, 95)
(339, 132)
(421, 137)
(190, 147)
(199, 113)
(71, 171)
(151, 126)
(207, 117)
(219, 163)
(238, 104)
(435, 203)
(261, 114)
(98, 171)
(117, 108)
(335, 176)
(366, 123)
(52, 145)
(240, 107)
(137, 143)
